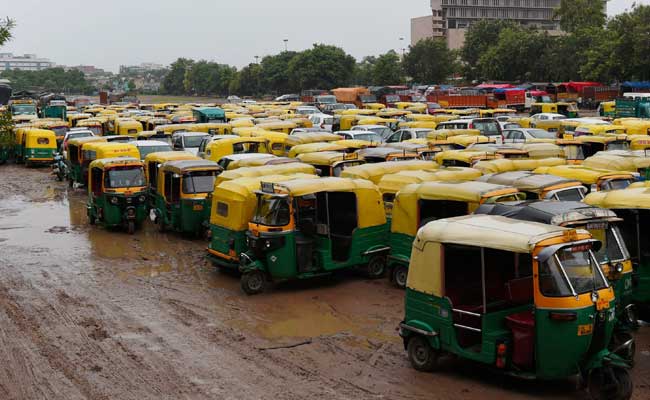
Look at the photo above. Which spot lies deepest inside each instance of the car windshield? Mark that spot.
(192, 141)
(23, 110)
(272, 210)
(370, 137)
(145, 150)
(613, 248)
(616, 184)
(570, 271)
(198, 182)
(124, 177)
(487, 128)
(541, 134)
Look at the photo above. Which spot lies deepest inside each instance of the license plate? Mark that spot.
(584, 330)
(197, 207)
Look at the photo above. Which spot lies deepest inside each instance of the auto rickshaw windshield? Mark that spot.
(272, 210)
(574, 152)
(124, 177)
(198, 182)
(340, 167)
(571, 271)
(618, 145)
(613, 248)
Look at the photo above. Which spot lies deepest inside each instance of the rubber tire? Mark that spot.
(623, 390)
(253, 282)
(130, 227)
(376, 267)
(400, 272)
(422, 356)
(622, 337)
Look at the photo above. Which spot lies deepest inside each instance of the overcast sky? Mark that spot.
(110, 33)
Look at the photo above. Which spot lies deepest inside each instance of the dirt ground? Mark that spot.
(91, 314)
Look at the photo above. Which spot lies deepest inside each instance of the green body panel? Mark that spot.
(400, 249)
(18, 151)
(559, 351)
(181, 216)
(223, 240)
(115, 215)
(623, 291)
(47, 154)
(281, 262)
(75, 172)
(641, 291)
(55, 112)
(4, 154)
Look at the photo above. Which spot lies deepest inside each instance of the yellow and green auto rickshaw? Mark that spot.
(621, 161)
(58, 126)
(117, 193)
(233, 207)
(416, 204)
(539, 186)
(180, 201)
(217, 149)
(464, 158)
(126, 126)
(77, 168)
(330, 163)
(293, 168)
(570, 110)
(153, 161)
(38, 147)
(525, 298)
(592, 179)
(509, 165)
(313, 227)
(375, 171)
(306, 148)
(95, 125)
(633, 205)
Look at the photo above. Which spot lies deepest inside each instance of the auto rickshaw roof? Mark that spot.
(183, 166)
(549, 212)
(467, 191)
(464, 155)
(507, 165)
(616, 163)
(381, 152)
(87, 139)
(326, 157)
(629, 198)
(528, 181)
(315, 147)
(115, 161)
(277, 125)
(543, 150)
(394, 182)
(39, 132)
(279, 169)
(588, 176)
(211, 111)
(374, 172)
(164, 156)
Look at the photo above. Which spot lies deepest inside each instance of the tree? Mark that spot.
(363, 72)
(51, 79)
(430, 61)
(479, 38)
(575, 15)
(321, 67)
(6, 27)
(248, 81)
(132, 85)
(387, 70)
(173, 83)
(626, 39)
(275, 72)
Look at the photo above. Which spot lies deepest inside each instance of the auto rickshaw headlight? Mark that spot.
(618, 268)
(114, 200)
(142, 198)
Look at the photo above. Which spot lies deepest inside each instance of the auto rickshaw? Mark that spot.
(95, 125)
(58, 126)
(594, 144)
(209, 114)
(528, 299)
(301, 149)
(599, 130)
(242, 123)
(38, 146)
(153, 161)
(233, 207)
(425, 151)
(180, 201)
(241, 145)
(77, 168)
(117, 193)
(213, 128)
(416, 204)
(293, 168)
(277, 141)
(607, 109)
(463, 158)
(622, 161)
(634, 126)
(539, 186)
(373, 172)
(373, 155)
(570, 110)
(509, 165)
(592, 179)
(126, 126)
(633, 205)
(639, 142)
(313, 227)
(278, 126)
(613, 255)
(235, 161)
(330, 163)
(74, 119)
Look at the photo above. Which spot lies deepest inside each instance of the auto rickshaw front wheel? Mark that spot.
(400, 273)
(610, 383)
(423, 357)
(253, 282)
(376, 267)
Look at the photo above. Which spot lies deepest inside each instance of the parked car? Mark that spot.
(407, 134)
(382, 130)
(368, 136)
(322, 121)
(488, 126)
(75, 133)
(188, 141)
(307, 110)
(521, 135)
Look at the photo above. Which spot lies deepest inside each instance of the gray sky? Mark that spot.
(73, 32)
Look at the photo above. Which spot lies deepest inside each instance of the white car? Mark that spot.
(188, 141)
(368, 136)
(76, 133)
(523, 135)
(382, 130)
(407, 134)
(547, 117)
(151, 146)
(307, 110)
(322, 121)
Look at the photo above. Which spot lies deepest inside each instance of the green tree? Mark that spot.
(6, 26)
(6, 130)
(174, 80)
(131, 85)
(275, 72)
(625, 45)
(387, 70)
(363, 72)
(575, 15)
(479, 38)
(430, 61)
(321, 67)
(248, 81)
(51, 79)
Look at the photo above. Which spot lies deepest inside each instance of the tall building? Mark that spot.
(26, 62)
(455, 16)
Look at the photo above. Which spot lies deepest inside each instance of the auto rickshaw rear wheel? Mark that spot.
(617, 340)
(253, 282)
(376, 267)
(130, 227)
(400, 273)
(610, 383)
(423, 357)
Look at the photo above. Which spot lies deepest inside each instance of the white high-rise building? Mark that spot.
(26, 62)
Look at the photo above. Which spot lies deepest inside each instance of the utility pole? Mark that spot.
(285, 44)
(257, 59)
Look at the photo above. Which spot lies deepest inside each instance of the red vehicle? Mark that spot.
(592, 96)
(508, 98)
(573, 91)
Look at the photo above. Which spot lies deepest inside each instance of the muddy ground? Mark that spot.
(91, 314)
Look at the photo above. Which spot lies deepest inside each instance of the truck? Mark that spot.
(353, 95)
(627, 107)
(592, 96)
(508, 98)
(52, 105)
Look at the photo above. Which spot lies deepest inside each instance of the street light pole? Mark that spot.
(257, 59)
(401, 45)
(285, 44)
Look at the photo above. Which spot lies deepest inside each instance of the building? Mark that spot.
(87, 69)
(139, 69)
(455, 16)
(26, 62)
